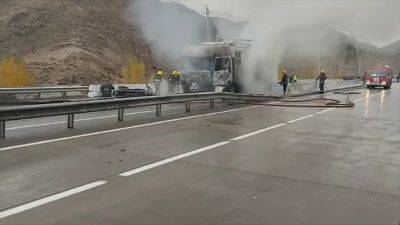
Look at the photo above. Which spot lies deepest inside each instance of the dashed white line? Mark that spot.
(51, 198)
(323, 111)
(301, 118)
(121, 129)
(257, 132)
(172, 159)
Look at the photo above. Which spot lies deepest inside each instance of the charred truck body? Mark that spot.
(213, 66)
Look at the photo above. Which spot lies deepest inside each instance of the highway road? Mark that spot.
(239, 164)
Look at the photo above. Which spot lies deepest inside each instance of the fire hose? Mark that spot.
(330, 103)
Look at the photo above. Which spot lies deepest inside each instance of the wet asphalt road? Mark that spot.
(231, 165)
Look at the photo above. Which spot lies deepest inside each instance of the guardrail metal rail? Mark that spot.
(72, 108)
(40, 90)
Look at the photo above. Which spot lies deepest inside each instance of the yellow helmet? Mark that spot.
(176, 73)
(322, 71)
(160, 73)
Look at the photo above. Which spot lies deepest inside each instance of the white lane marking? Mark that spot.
(301, 118)
(93, 118)
(257, 132)
(369, 96)
(73, 191)
(51, 198)
(184, 155)
(323, 111)
(172, 159)
(111, 116)
(121, 129)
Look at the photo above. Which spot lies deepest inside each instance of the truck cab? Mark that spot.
(212, 66)
(379, 77)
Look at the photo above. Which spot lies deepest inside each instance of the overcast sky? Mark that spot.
(373, 21)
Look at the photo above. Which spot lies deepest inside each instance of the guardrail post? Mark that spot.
(158, 110)
(187, 106)
(70, 123)
(121, 114)
(212, 103)
(64, 94)
(2, 129)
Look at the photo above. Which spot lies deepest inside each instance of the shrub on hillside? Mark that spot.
(15, 73)
(134, 72)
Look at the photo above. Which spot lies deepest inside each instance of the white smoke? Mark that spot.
(272, 25)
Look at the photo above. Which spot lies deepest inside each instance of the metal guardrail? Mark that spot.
(72, 108)
(41, 90)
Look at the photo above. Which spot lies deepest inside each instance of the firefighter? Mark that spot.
(174, 81)
(295, 78)
(157, 81)
(322, 78)
(284, 81)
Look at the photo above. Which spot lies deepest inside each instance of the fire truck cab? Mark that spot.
(379, 77)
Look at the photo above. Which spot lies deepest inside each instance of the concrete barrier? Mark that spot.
(309, 87)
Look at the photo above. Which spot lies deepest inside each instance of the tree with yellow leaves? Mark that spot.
(134, 72)
(15, 73)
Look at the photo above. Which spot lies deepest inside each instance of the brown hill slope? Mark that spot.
(88, 41)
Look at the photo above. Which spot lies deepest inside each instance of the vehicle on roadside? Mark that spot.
(379, 77)
(213, 64)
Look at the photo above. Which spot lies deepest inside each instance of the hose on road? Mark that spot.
(329, 102)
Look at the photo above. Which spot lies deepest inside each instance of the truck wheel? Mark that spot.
(387, 87)
(368, 87)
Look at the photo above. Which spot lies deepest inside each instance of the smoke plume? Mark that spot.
(301, 28)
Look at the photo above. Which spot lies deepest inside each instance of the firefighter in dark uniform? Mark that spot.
(322, 78)
(284, 81)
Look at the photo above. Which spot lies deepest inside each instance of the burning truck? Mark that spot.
(213, 66)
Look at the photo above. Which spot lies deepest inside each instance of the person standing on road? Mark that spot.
(284, 81)
(176, 79)
(322, 78)
(157, 81)
(295, 78)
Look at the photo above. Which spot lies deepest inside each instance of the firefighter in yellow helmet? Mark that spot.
(174, 81)
(157, 81)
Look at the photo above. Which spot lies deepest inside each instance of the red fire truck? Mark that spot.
(379, 77)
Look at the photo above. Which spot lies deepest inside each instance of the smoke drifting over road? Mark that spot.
(306, 26)
(273, 25)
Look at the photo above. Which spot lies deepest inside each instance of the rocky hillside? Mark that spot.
(86, 41)
(90, 41)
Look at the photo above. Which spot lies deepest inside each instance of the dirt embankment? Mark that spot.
(72, 41)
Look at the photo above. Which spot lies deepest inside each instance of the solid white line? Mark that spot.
(92, 118)
(121, 129)
(51, 198)
(257, 132)
(301, 118)
(172, 159)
